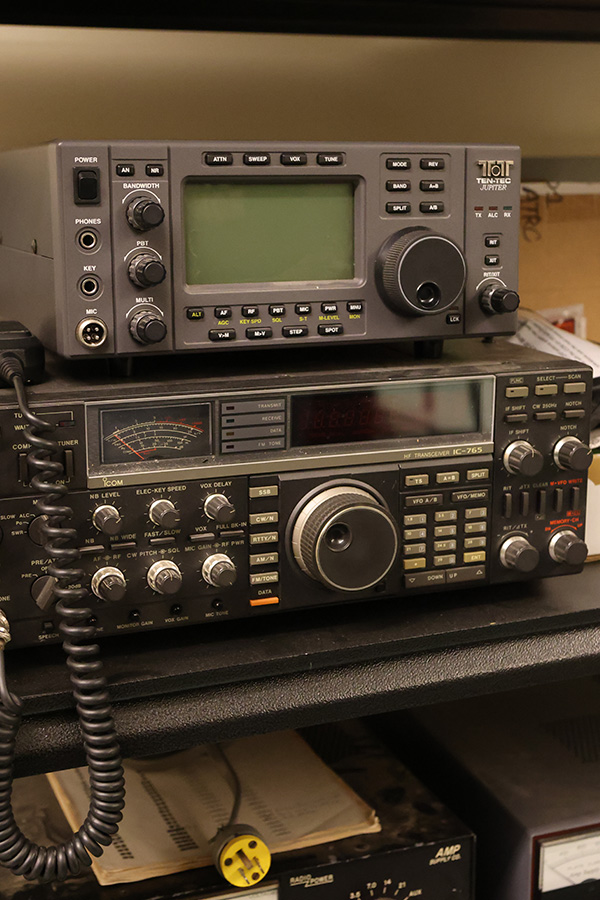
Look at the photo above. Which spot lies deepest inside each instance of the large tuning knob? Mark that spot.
(420, 273)
(109, 583)
(497, 298)
(571, 453)
(164, 513)
(565, 546)
(144, 213)
(521, 458)
(219, 570)
(146, 270)
(219, 508)
(345, 538)
(164, 577)
(517, 553)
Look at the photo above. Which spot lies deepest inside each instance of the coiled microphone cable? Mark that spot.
(89, 685)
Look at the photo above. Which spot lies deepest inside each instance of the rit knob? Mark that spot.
(109, 583)
(107, 519)
(497, 299)
(147, 327)
(219, 508)
(165, 514)
(219, 571)
(565, 546)
(571, 453)
(521, 458)
(144, 213)
(146, 270)
(517, 553)
(164, 577)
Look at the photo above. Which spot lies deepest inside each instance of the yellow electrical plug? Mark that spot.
(241, 855)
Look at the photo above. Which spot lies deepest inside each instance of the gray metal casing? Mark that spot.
(42, 265)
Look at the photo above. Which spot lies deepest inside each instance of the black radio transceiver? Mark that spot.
(128, 248)
(242, 494)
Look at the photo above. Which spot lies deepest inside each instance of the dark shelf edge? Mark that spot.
(164, 724)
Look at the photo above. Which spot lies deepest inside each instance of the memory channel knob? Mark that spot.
(571, 453)
(147, 327)
(143, 213)
(146, 270)
(420, 273)
(345, 538)
(164, 577)
(517, 553)
(521, 458)
(219, 508)
(107, 519)
(565, 546)
(109, 583)
(496, 298)
(219, 570)
(165, 514)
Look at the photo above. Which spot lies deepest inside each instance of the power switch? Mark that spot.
(86, 186)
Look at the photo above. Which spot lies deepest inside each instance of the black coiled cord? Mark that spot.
(103, 755)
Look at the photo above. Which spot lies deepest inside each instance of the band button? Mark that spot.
(221, 334)
(397, 186)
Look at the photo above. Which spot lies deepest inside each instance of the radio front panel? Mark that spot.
(146, 248)
(197, 506)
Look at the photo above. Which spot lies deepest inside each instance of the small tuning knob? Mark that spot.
(219, 508)
(107, 519)
(165, 514)
(164, 577)
(517, 553)
(497, 298)
(147, 327)
(144, 213)
(571, 453)
(146, 270)
(219, 571)
(521, 458)
(565, 546)
(109, 583)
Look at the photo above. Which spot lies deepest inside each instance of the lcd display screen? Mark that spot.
(158, 432)
(252, 232)
(403, 411)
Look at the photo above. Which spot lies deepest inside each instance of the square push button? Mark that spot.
(86, 186)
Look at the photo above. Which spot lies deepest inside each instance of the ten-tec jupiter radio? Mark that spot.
(247, 494)
(114, 249)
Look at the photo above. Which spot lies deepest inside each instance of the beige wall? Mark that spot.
(96, 83)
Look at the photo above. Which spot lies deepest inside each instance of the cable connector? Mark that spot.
(20, 354)
(241, 855)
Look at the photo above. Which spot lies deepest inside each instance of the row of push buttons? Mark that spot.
(264, 514)
(196, 313)
(492, 241)
(422, 479)
(264, 332)
(264, 159)
(152, 170)
(545, 390)
(445, 543)
(541, 501)
(404, 164)
(546, 415)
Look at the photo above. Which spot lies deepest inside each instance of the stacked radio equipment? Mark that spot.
(129, 248)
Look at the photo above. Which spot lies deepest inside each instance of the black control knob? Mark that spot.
(517, 553)
(420, 273)
(345, 538)
(146, 270)
(107, 519)
(521, 458)
(37, 530)
(571, 453)
(219, 570)
(165, 514)
(144, 213)
(147, 327)
(565, 546)
(496, 299)
(219, 508)
(164, 577)
(109, 583)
